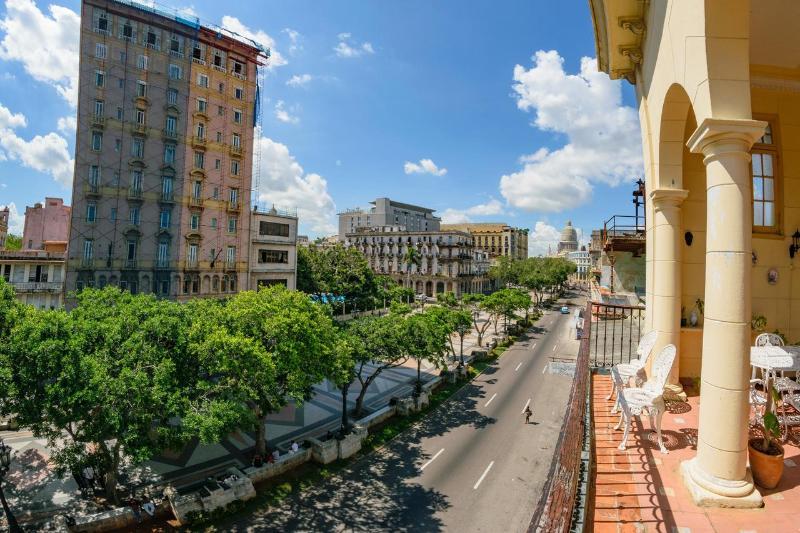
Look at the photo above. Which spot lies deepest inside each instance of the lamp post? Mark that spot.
(5, 464)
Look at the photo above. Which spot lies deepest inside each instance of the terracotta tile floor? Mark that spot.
(641, 490)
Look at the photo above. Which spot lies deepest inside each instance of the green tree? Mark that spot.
(338, 270)
(13, 242)
(505, 303)
(299, 336)
(412, 256)
(474, 302)
(343, 370)
(425, 339)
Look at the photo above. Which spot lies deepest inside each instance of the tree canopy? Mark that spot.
(337, 270)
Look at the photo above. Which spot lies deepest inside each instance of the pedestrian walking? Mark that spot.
(528, 414)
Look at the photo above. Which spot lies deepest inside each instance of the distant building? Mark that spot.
(46, 225)
(302, 240)
(273, 250)
(36, 275)
(4, 216)
(495, 238)
(386, 212)
(583, 262)
(568, 241)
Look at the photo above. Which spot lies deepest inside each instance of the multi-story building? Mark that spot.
(5, 214)
(495, 238)
(386, 212)
(448, 261)
(583, 262)
(46, 225)
(568, 241)
(37, 276)
(161, 195)
(273, 249)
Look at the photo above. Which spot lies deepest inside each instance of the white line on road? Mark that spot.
(490, 400)
(478, 483)
(526, 406)
(534, 346)
(519, 365)
(554, 347)
(432, 459)
(544, 369)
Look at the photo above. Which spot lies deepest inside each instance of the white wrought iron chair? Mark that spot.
(649, 397)
(787, 387)
(636, 367)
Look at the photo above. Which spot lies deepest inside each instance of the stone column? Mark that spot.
(718, 475)
(650, 237)
(666, 265)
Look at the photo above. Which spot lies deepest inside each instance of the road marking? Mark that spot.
(555, 346)
(526, 406)
(490, 400)
(432, 459)
(478, 483)
(519, 365)
(534, 345)
(544, 369)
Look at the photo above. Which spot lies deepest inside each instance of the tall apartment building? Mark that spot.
(46, 226)
(496, 238)
(5, 214)
(164, 152)
(386, 212)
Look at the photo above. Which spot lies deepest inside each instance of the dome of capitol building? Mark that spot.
(569, 239)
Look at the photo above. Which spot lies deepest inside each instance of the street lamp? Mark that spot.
(5, 464)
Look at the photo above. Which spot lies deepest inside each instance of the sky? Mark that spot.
(483, 111)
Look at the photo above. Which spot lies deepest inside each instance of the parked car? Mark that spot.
(564, 310)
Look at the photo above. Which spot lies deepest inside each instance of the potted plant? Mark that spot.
(699, 306)
(759, 323)
(766, 453)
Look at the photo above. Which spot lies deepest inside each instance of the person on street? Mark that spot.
(528, 414)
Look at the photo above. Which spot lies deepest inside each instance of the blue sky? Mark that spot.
(484, 111)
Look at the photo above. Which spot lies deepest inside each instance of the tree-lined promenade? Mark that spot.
(122, 377)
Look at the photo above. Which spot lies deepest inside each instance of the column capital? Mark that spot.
(716, 136)
(665, 197)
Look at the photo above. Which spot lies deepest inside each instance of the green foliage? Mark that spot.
(13, 242)
(537, 274)
(337, 270)
(447, 299)
(506, 302)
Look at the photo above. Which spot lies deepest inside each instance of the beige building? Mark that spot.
(448, 261)
(386, 212)
(37, 276)
(719, 107)
(495, 238)
(273, 249)
(5, 214)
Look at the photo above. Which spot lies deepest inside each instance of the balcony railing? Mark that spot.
(130, 263)
(38, 286)
(135, 193)
(230, 264)
(167, 196)
(98, 121)
(615, 332)
(87, 262)
(234, 206)
(236, 150)
(194, 201)
(199, 142)
(170, 134)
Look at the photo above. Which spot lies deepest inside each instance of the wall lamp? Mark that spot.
(795, 246)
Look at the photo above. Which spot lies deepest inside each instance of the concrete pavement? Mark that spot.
(472, 465)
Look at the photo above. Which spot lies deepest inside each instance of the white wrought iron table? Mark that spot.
(771, 359)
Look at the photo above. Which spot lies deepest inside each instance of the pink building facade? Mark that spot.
(48, 223)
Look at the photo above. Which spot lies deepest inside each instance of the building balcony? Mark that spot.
(236, 151)
(198, 61)
(194, 201)
(229, 265)
(139, 129)
(167, 197)
(162, 263)
(220, 68)
(239, 76)
(98, 121)
(141, 101)
(176, 53)
(191, 264)
(92, 190)
(38, 286)
(170, 135)
(199, 142)
(130, 263)
(234, 206)
(87, 262)
(135, 193)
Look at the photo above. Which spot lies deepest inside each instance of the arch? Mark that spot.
(439, 287)
(428, 288)
(206, 284)
(671, 139)
(215, 283)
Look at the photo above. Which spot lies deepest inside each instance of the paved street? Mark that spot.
(472, 465)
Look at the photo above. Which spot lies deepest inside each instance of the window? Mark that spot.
(127, 31)
(152, 40)
(215, 193)
(197, 189)
(98, 108)
(238, 68)
(232, 225)
(199, 160)
(234, 168)
(123, 56)
(99, 78)
(121, 83)
(219, 61)
(273, 256)
(120, 113)
(214, 223)
(141, 89)
(175, 45)
(91, 212)
(140, 117)
(94, 177)
(273, 228)
(237, 116)
(169, 154)
(137, 148)
(201, 105)
(175, 72)
(220, 111)
(117, 145)
(231, 254)
(136, 181)
(88, 249)
(201, 131)
(113, 213)
(163, 254)
(217, 164)
(221, 87)
(101, 23)
(172, 96)
(134, 216)
(194, 221)
(764, 213)
(202, 80)
(166, 187)
(100, 51)
(131, 252)
(142, 62)
(163, 219)
(197, 53)
(219, 136)
(97, 141)
(236, 141)
(238, 93)
(171, 124)
(233, 196)
(192, 256)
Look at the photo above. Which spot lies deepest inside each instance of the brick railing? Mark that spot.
(557, 506)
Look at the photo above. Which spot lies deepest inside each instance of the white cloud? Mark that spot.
(283, 182)
(187, 11)
(299, 80)
(45, 153)
(16, 222)
(67, 125)
(349, 47)
(425, 166)
(338, 162)
(462, 216)
(543, 238)
(294, 39)
(234, 25)
(45, 44)
(284, 114)
(603, 141)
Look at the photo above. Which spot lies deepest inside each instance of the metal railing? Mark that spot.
(623, 226)
(615, 333)
(557, 510)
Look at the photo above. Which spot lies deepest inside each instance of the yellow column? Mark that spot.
(648, 258)
(666, 267)
(718, 475)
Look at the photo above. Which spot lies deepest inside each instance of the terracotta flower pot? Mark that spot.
(767, 469)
